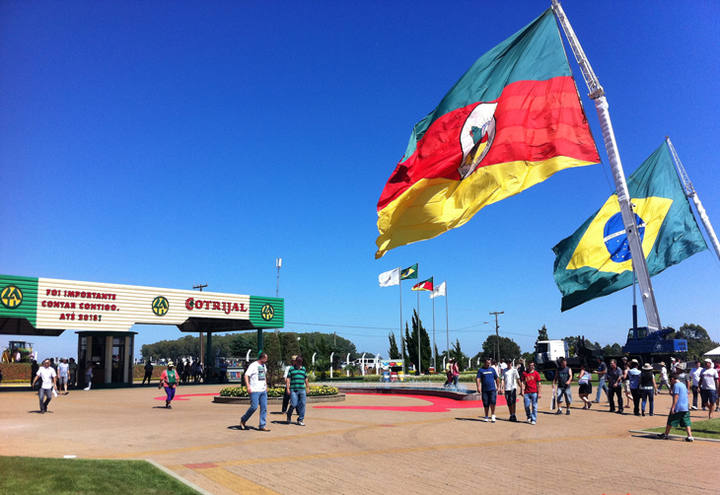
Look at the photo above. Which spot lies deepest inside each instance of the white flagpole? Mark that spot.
(434, 351)
(597, 94)
(692, 194)
(402, 337)
(418, 334)
(447, 324)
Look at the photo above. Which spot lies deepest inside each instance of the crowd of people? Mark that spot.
(624, 383)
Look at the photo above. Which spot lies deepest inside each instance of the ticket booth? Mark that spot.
(109, 353)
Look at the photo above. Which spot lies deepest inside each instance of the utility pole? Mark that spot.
(497, 335)
(200, 287)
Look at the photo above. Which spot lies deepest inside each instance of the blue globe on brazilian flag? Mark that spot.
(595, 261)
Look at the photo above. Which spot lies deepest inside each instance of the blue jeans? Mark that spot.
(645, 395)
(255, 398)
(601, 387)
(297, 401)
(531, 405)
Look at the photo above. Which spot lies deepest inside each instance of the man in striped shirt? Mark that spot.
(296, 385)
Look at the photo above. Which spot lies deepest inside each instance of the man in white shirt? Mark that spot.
(49, 383)
(255, 381)
(695, 377)
(709, 386)
(511, 381)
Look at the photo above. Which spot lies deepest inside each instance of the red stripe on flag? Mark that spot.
(535, 121)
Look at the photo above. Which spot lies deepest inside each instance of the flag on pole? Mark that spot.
(438, 291)
(595, 261)
(424, 285)
(409, 272)
(510, 122)
(389, 278)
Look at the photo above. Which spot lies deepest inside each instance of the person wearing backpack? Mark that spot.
(169, 380)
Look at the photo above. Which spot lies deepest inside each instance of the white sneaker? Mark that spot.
(486, 419)
(532, 422)
(492, 418)
(529, 420)
(694, 408)
(300, 423)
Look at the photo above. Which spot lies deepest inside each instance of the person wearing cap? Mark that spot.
(634, 382)
(663, 377)
(709, 386)
(648, 387)
(679, 415)
(695, 377)
(169, 380)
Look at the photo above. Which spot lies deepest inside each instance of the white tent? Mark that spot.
(714, 352)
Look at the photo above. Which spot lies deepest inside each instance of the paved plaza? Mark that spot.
(367, 444)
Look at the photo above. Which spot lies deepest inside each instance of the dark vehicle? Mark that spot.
(653, 347)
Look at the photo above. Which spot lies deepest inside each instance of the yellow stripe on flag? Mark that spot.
(433, 206)
(591, 250)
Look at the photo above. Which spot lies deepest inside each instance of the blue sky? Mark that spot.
(170, 143)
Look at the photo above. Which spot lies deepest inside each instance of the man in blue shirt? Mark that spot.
(487, 384)
(679, 412)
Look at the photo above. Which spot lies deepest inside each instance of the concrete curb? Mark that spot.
(450, 394)
(310, 400)
(178, 477)
(652, 433)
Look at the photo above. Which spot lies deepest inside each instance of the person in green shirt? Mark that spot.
(296, 385)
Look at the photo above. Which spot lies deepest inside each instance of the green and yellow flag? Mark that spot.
(595, 261)
(409, 272)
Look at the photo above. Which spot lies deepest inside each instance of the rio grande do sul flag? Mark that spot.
(511, 121)
(595, 261)
(424, 285)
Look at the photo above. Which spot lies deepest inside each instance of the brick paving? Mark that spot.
(362, 450)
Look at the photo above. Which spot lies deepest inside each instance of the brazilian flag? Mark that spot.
(409, 272)
(595, 261)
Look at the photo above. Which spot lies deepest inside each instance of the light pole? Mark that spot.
(200, 287)
(278, 265)
(497, 335)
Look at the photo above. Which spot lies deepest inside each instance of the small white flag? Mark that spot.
(438, 291)
(389, 278)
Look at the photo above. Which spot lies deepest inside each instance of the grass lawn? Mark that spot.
(709, 428)
(85, 477)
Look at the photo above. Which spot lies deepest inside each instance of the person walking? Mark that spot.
(169, 380)
(47, 374)
(648, 387)
(88, 376)
(487, 383)
(663, 377)
(563, 379)
(73, 369)
(148, 372)
(585, 387)
(626, 381)
(511, 383)
(34, 367)
(634, 383)
(286, 395)
(601, 372)
(297, 384)
(531, 392)
(679, 415)
(63, 370)
(709, 386)
(695, 378)
(614, 380)
(256, 383)
(455, 369)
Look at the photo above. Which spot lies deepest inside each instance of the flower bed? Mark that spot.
(314, 391)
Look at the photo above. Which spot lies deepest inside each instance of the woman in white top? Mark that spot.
(585, 387)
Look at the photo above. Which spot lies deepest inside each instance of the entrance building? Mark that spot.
(103, 315)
